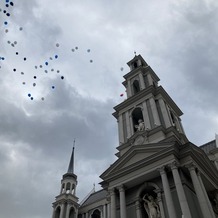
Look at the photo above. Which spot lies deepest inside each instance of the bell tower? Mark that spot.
(148, 115)
(66, 203)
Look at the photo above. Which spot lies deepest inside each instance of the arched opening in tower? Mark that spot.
(68, 188)
(136, 117)
(57, 212)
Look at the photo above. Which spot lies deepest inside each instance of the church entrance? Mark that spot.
(96, 214)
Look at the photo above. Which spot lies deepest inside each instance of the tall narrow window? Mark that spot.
(135, 65)
(160, 113)
(58, 212)
(136, 116)
(72, 213)
(173, 118)
(136, 87)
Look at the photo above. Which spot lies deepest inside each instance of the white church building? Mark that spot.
(158, 173)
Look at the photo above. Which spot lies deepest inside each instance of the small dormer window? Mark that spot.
(136, 87)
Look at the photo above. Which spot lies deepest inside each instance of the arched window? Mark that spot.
(135, 64)
(62, 188)
(72, 213)
(135, 86)
(57, 212)
(136, 116)
(96, 214)
(68, 188)
(173, 118)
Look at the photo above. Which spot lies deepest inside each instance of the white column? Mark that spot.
(180, 191)
(87, 215)
(160, 203)
(205, 194)
(108, 210)
(128, 127)
(53, 214)
(68, 211)
(167, 193)
(146, 116)
(71, 188)
(165, 113)
(122, 202)
(61, 189)
(131, 125)
(62, 211)
(104, 211)
(154, 111)
(120, 127)
(76, 213)
(141, 80)
(129, 91)
(199, 192)
(113, 203)
(138, 209)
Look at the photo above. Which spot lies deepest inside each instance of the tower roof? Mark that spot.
(71, 164)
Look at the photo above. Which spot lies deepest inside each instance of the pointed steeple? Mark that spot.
(71, 164)
(66, 203)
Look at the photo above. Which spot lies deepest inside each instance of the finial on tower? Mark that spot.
(135, 53)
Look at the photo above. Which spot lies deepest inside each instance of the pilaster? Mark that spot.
(122, 202)
(146, 116)
(205, 194)
(199, 192)
(167, 193)
(138, 209)
(113, 203)
(180, 191)
(160, 203)
(154, 112)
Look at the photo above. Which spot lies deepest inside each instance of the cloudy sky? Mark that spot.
(93, 40)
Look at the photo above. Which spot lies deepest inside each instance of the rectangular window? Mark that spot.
(160, 113)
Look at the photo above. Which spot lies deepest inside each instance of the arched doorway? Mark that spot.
(72, 213)
(96, 214)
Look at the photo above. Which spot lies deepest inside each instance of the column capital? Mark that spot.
(157, 190)
(191, 166)
(111, 191)
(121, 188)
(174, 165)
(138, 205)
(161, 170)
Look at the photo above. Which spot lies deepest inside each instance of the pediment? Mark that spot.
(134, 156)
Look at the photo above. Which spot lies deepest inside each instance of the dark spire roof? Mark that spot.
(71, 164)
